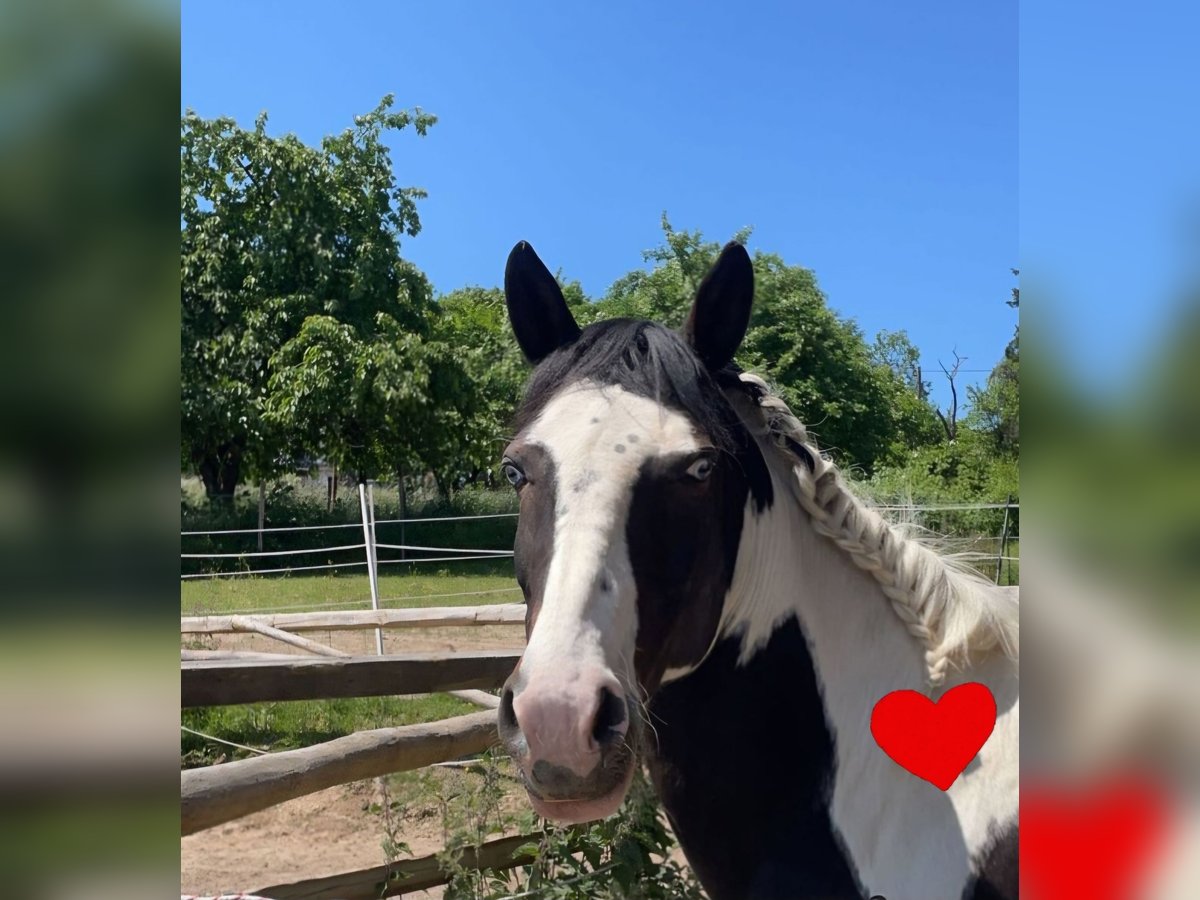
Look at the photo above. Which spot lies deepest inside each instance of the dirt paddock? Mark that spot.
(331, 831)
(334, 830)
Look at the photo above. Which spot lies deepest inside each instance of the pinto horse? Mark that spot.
(706, 595)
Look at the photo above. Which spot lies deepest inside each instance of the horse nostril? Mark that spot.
(508, 715)
(610, 719)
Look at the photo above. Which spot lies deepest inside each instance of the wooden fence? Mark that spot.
(219, 682)
(215, 794)
(428, 617)
(404, 877)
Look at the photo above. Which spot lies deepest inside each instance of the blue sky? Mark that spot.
(1110, 178)
(876, 143)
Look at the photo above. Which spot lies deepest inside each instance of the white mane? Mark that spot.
(951, 609)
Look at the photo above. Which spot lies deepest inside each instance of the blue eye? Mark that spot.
(701, 468)
(514, 475)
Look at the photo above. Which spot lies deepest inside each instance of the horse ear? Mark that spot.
(536, 306)
(721, 312)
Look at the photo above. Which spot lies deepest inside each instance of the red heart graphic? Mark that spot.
(1097, 844)
(935, 741)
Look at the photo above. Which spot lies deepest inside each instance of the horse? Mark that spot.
(705, 595)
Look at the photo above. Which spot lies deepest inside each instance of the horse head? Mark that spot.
(633, 473)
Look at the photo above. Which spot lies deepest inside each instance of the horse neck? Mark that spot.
(819, 558)
(856, 583)
(786, 569)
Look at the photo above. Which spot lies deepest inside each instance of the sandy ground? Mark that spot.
(325, 833)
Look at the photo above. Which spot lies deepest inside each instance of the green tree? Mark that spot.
(996, 408)
(477, 318)
(913, 411)
(823, 368)
(978, 465)
(387, 402)
(665, 292)
(895, 350)
(274, 231)
(857, 406)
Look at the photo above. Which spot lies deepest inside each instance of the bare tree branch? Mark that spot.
(950, 419)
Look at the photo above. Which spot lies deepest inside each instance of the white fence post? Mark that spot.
(374, 561)
(1003, 540)
(368, 524)
(262, 513)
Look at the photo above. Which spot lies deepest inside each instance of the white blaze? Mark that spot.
(598, 438)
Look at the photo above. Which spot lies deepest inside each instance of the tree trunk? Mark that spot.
(442, 485)
(220, 470)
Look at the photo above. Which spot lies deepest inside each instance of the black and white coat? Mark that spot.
(703, 588)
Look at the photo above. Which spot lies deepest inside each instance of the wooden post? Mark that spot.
(1003, 539)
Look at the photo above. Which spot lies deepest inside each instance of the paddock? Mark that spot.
(307, 669)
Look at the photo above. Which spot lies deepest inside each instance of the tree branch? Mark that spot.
(951, 425)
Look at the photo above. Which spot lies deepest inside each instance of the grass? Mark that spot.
(420, 586)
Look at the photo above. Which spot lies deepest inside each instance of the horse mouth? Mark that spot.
(562, 796)
(576, 810)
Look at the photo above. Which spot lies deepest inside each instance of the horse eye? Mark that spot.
(514, 475)
(701, 468)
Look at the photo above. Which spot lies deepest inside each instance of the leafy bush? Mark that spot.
(624, 857)
(966, 471)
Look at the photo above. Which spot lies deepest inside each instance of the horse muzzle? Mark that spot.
(571, 739)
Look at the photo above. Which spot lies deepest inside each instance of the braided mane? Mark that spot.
(952, 610)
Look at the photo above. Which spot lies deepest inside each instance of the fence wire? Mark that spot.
(462, 554)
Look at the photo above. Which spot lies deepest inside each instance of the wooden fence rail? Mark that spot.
(253, 625)
(347, 620)
(216, 794)
(192, 655)
(219, 682)
(402, 877)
